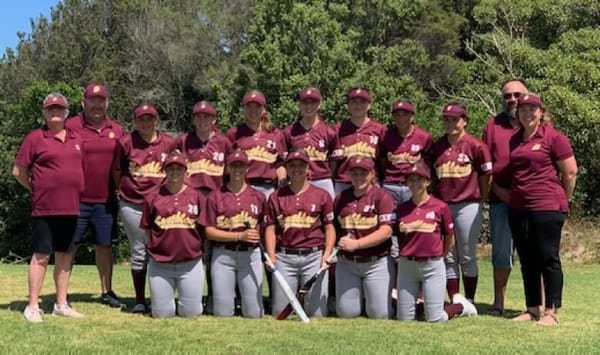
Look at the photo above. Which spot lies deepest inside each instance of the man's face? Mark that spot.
(510, 96)
(95, 108)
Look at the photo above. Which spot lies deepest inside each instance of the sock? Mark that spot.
(139, 284)
(453, 310)
(470, 287)
(452, 286)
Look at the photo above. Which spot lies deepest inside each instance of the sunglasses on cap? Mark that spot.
(508, 95)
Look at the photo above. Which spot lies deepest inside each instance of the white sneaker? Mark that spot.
(33, 314)
(469, 309)
(66, 311)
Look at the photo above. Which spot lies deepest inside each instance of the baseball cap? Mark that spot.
(254, 96)
(55, 100)
(298, 155)
(359, 92)
(95, 90)
(145, 109)
(204, 107)
(175, 157)
(454, 110)
(361, 163)
(530, 99)
(309, 94)
(403, 106)
(420, 169)
(238, 156)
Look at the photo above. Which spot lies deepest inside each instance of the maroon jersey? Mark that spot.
(300, 218)
(496, 135)
(172, 220)
(265, 151)
(206, 159)
(355, 141)
(536, 185)
(318, 142)
(140, 164)
(458, 167)
(361, 216)
(402, 152)
(423, 227)
(229, 211)
(56, 172)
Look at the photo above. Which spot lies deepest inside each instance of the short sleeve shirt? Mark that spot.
(318, 142)
(401, 153)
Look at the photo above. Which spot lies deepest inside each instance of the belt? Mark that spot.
(421, 258)
(235, 247)
(303, 251)
(261, 181)
(364, 259)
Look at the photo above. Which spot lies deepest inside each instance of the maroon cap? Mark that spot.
(403, 106)
(454, 110)
(531, 99)
(309, 94)
(145, 109)
(298, 155)
(359, 92)
(95, 90)
(254, 96)
(361, 163)
(204, 107)
(421, 170)
(175, 157)
(238, 156)
(55, 100)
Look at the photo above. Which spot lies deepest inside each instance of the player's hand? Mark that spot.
(324, 263)
(249, 236)
(349, 244)
(273, 258)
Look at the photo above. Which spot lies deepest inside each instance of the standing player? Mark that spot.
(463, 167)
(138, 171)
(262, 142)
(313, 136)
(236, 258)
(49, 164)
(365, 214)
(98, 208)
(174, 244)
(299, 235)
(205, 149)
(496, 135)
(357, 136)
(426, 235)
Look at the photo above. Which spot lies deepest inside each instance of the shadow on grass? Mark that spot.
(485, 309)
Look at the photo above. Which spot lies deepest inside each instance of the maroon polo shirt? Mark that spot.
(206, 159)
(423, 228)
(56, 172)
(230, 212)
(355, 141)
(458, 168)
(265, 151)
(172, 219)
(140, 164)
(99, 147)
(535, 184)
(300, 218)
(496, 135)
(361, 216)
(318, 142)
(402, 152)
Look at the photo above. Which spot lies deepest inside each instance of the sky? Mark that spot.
(15, 16)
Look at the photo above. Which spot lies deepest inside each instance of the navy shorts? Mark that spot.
(102, 219)
(53, 233)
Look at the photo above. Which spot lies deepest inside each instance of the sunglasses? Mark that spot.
(508, 95)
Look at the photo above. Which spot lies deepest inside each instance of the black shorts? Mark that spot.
(53, 233)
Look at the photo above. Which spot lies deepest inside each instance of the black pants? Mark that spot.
(537, 239)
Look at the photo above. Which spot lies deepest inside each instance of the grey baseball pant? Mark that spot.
(468, 220)
(131, 215)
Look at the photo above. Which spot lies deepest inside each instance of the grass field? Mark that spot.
(106, 330)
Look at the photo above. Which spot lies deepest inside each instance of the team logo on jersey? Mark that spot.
(261, 154)
(177, 221)
(297, 220)
(357, 221)
(152, 169)
(415, 148)
(536, 146)
(204, 166)
(463, 158)
(237, 221)
(430, 215)
(315, 155)
(452, 170)
(403, 157)
(417, 226)
(359, 149)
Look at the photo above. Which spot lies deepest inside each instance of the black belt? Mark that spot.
(261, 181)
(303, 251)
(236, 247)
(364, 259)
(421, 258)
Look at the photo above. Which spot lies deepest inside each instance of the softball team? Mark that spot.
(313, 187)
